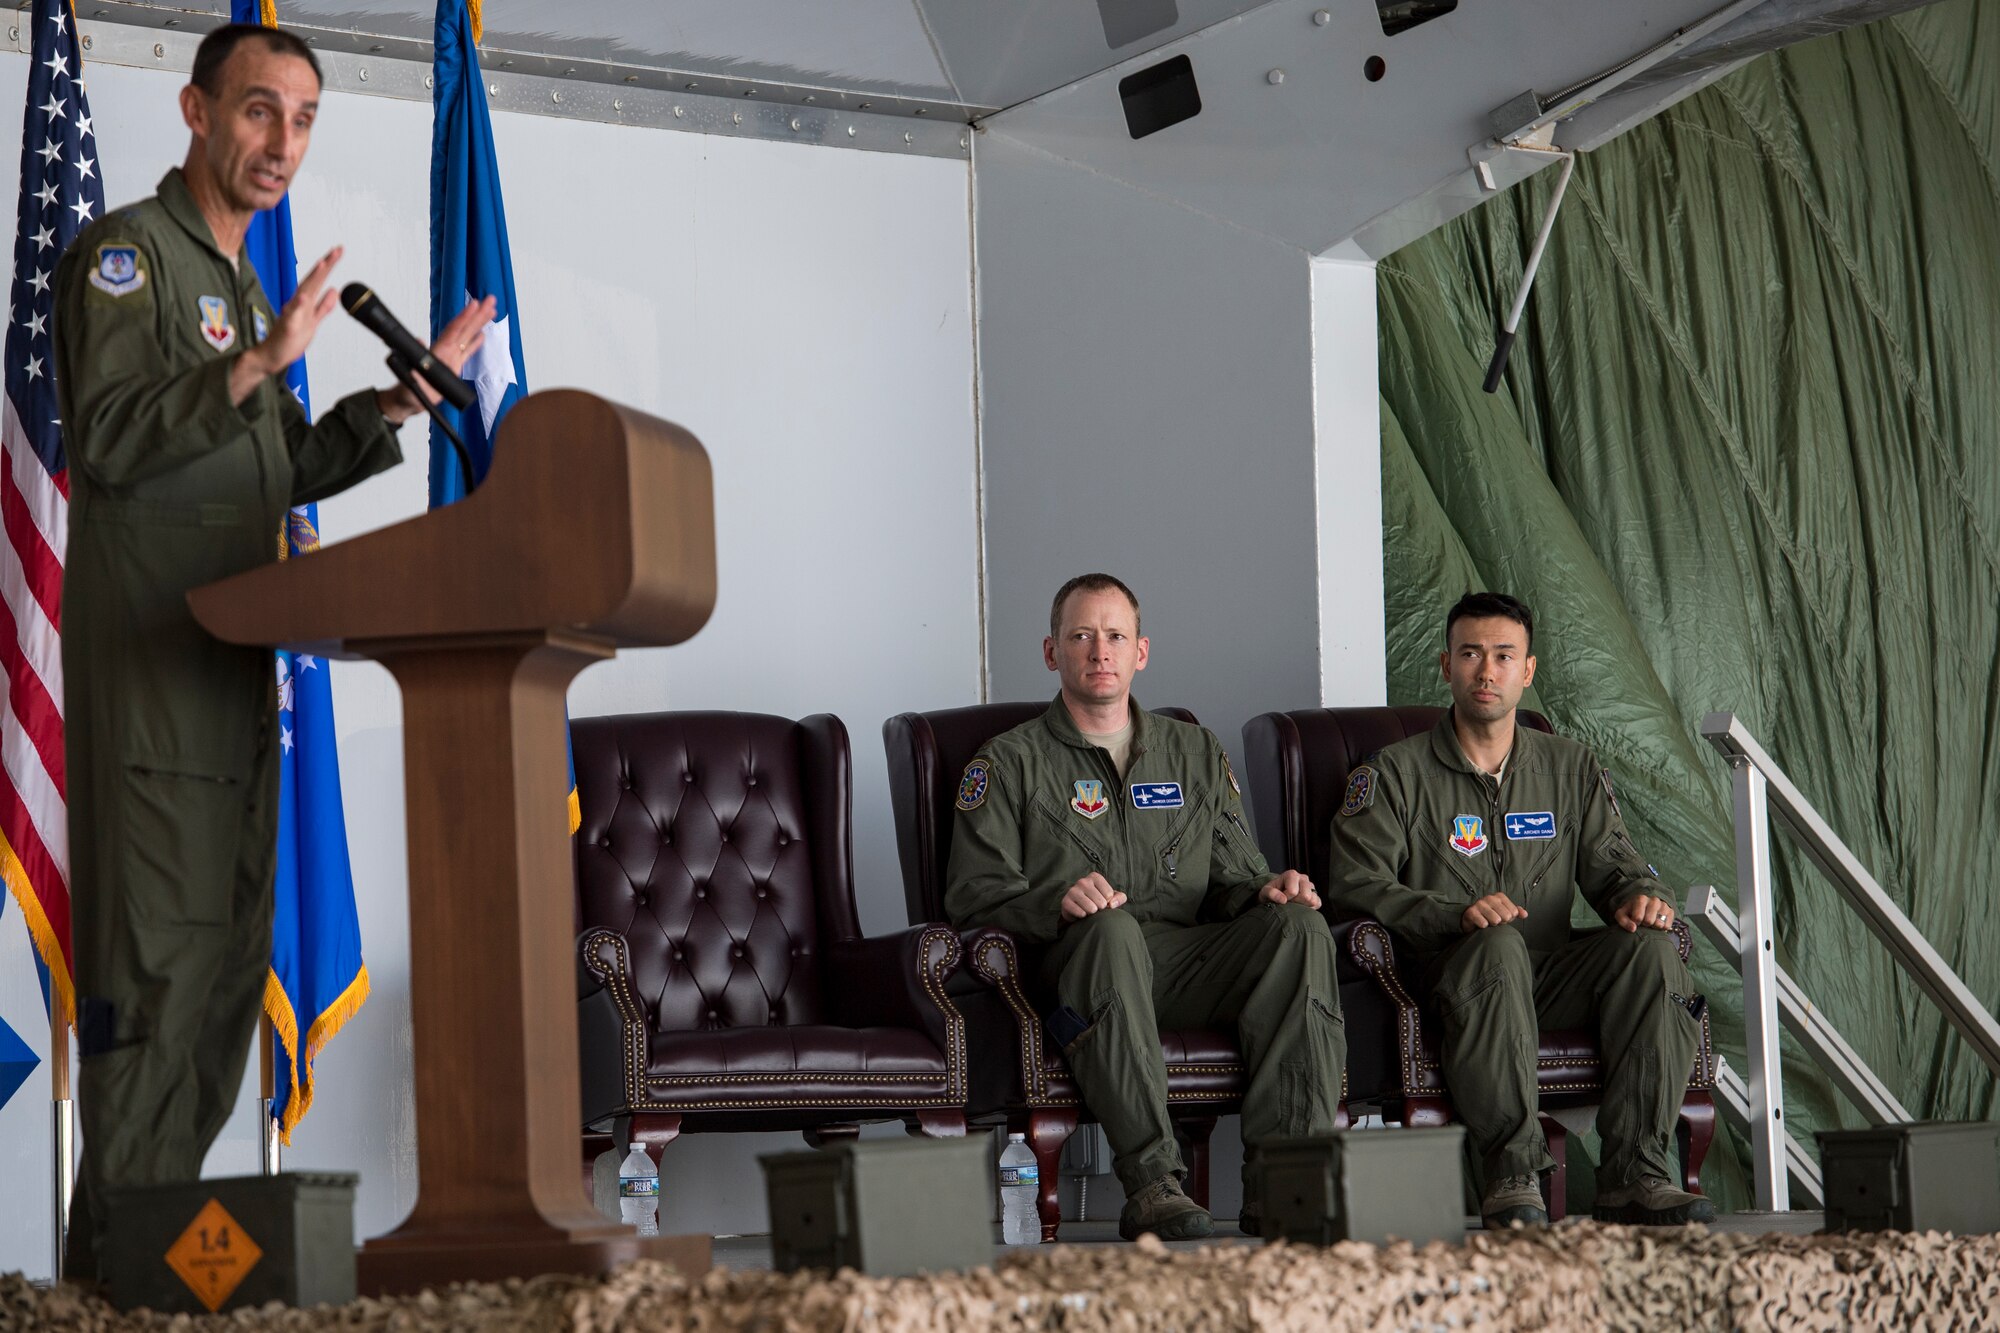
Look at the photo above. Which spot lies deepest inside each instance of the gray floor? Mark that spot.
(754, 1252)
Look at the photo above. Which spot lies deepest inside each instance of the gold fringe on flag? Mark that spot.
(285, 1026)
(472, 9)
(267, 13)
(44, 935)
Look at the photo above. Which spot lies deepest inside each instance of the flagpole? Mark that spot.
(62, 1134)
(267, 1080)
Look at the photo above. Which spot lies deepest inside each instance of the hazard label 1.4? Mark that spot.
(213, 1255)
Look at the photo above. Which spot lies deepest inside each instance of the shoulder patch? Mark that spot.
(972, 787)
(1604, 778)
(1230, 773)
(1360, 790)
(118, 269)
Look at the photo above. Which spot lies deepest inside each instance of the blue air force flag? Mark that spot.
(317, 978)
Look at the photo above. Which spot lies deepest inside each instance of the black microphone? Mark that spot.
(365, 306)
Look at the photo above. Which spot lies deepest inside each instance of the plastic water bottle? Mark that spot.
(1020, 1185)
(639, 1191)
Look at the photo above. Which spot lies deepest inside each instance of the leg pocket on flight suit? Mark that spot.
(180, 836)
(1449, 1001)
(1308, 1092)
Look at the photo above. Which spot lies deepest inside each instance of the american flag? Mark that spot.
(60, 193)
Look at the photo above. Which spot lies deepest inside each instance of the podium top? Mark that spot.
(594, 519)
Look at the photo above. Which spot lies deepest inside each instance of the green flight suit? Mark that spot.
(1193, 946)
(172, 769)
(1421, 835)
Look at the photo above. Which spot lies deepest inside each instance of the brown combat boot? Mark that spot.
(1512, 1199)
(1652, 1202)
(1163, 1209)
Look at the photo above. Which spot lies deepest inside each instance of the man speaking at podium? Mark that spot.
(185, 452)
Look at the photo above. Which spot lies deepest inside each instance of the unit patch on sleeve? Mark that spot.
(972, 787)
(118, 270)
(1529, 825)
(1468, 835)
(1230, 773)
(1604, 776)
(1157, 796)
(1360, 790)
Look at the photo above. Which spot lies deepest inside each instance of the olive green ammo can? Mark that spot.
(1924, 1177)
(886, 1207)
(1368, 1185)
(208, 1245)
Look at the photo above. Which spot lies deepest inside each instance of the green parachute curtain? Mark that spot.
(1747, 458)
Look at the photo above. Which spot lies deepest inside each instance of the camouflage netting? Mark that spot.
(1573, 1277)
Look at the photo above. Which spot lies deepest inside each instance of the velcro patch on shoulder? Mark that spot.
(118, 268)
(972, 787)
(1360, 790)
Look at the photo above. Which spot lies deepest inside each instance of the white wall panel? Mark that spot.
(806, 312)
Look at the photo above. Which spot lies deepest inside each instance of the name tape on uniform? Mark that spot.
(1157, 796)
(1524, 826)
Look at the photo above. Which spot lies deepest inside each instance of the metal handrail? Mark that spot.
(1801, 1017)
(1732, 1098)
(1758, 786)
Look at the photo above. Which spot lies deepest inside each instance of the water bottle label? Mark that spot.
(1030, 1174)
(638, 1187)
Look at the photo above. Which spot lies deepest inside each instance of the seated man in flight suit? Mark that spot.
(1116, 837)
(1470, 844)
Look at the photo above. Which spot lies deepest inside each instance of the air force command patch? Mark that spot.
(118, 270)
(972, 787)
(1360, 790)
(1468, 835)
(1089, 799)
(216, 330)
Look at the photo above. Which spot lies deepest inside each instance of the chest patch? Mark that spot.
(117, 270)
(216, 330)
(1468, 835)
(1089, 799)
(1157, 796)
(259, 325)
(972, 787)
(1530, 825)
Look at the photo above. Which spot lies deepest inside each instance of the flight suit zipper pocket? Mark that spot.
(1176, 835)
(1549, 859)
(1062, 825)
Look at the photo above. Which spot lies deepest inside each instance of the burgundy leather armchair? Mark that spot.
(1296, 765)
(724, 983)
(1017, 1074)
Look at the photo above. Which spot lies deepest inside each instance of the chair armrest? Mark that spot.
(994, 956)
(900, 981)
(612, 1050)
(1703, 1075)
(1369, 944)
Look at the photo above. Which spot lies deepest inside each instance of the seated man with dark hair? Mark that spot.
(1117, 837)
(1470, 844)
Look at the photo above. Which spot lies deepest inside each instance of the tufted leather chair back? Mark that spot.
(1297, 765)
(717, 844)
(927, 753)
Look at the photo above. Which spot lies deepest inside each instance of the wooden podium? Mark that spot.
(594, 530)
